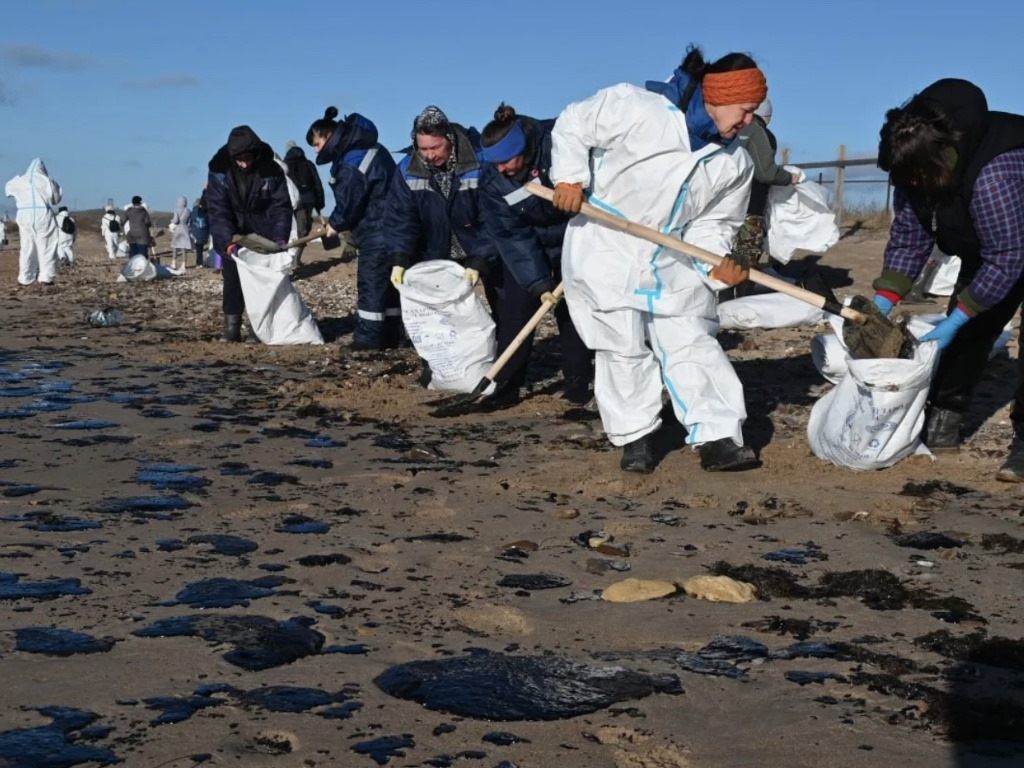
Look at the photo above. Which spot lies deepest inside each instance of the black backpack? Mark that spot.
(114, 225)
(68, 226)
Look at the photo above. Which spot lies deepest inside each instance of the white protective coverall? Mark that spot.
(632, 149)
(3, 234)
(65, 242)
(35, 193)
(109, 238)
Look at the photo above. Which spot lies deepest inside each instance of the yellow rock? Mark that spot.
(720, 589)
(636, 590)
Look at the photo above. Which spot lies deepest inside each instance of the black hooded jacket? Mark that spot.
(265, 210)
(303, 173)
(984, 135)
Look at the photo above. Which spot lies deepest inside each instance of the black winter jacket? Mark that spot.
(267, 209)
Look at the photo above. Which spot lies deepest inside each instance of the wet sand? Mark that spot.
(363, 533)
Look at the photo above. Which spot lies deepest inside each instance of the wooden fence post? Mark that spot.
(837, 199)
(785, 156)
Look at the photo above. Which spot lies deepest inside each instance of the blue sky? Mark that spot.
(134, 98)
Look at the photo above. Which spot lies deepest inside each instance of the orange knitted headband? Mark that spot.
(741, 86)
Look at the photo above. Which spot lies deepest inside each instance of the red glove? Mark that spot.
(568, 197)
(231, 249)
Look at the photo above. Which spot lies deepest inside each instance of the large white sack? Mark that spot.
(798, 216)
(943, 280)
(140, 268)
(276, 312)
(768, 310)
(829, 354)
(874, 416)
(448, 324)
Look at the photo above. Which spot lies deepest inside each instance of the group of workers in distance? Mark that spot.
(681, 156)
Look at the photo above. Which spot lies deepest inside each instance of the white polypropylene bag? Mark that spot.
(448, 324)
(768, 310)
(874, 416)
(798, 216)
(829, 354)
(943, 280)
(139, 268)
(276, 312)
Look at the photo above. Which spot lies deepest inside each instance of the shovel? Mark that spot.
(262, 244)
(453, 406)
(874, 336)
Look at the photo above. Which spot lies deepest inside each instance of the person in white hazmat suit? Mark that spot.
(662, 157)
(35, 194)
(110, 228)
(65, 240)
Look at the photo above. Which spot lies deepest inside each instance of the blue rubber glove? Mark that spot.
(884, 305)
(944, 332)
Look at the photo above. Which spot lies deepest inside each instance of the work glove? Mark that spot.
(944, 332)
(568, 197)
(472, 275)
(397, 276)
(232, 249)
(331, 231)
(732, 270)
(884, 305)
(550, 298)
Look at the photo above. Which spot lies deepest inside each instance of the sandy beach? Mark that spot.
(241, 544)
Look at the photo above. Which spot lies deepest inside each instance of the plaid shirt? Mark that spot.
(997, 211)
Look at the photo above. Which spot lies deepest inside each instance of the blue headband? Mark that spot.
(510, 146)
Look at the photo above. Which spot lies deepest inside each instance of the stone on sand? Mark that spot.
(720, 589)
(637, 590)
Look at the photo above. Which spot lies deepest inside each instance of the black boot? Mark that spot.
(725, 456)
(577, 390)
(638, 456)
(232, 328)
(942, 431)
(1012, 470)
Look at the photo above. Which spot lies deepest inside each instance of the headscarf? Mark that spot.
(433, 118)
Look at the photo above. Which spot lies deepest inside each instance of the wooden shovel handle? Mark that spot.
(517, 342)
(303, 240)
(675, 244)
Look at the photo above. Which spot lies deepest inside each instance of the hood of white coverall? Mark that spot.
(34, 192)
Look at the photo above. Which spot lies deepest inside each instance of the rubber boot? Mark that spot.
(1012, 470)
(725, 456)
(232, 328)
(638, 456)
(942, 430)
(577, 390)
